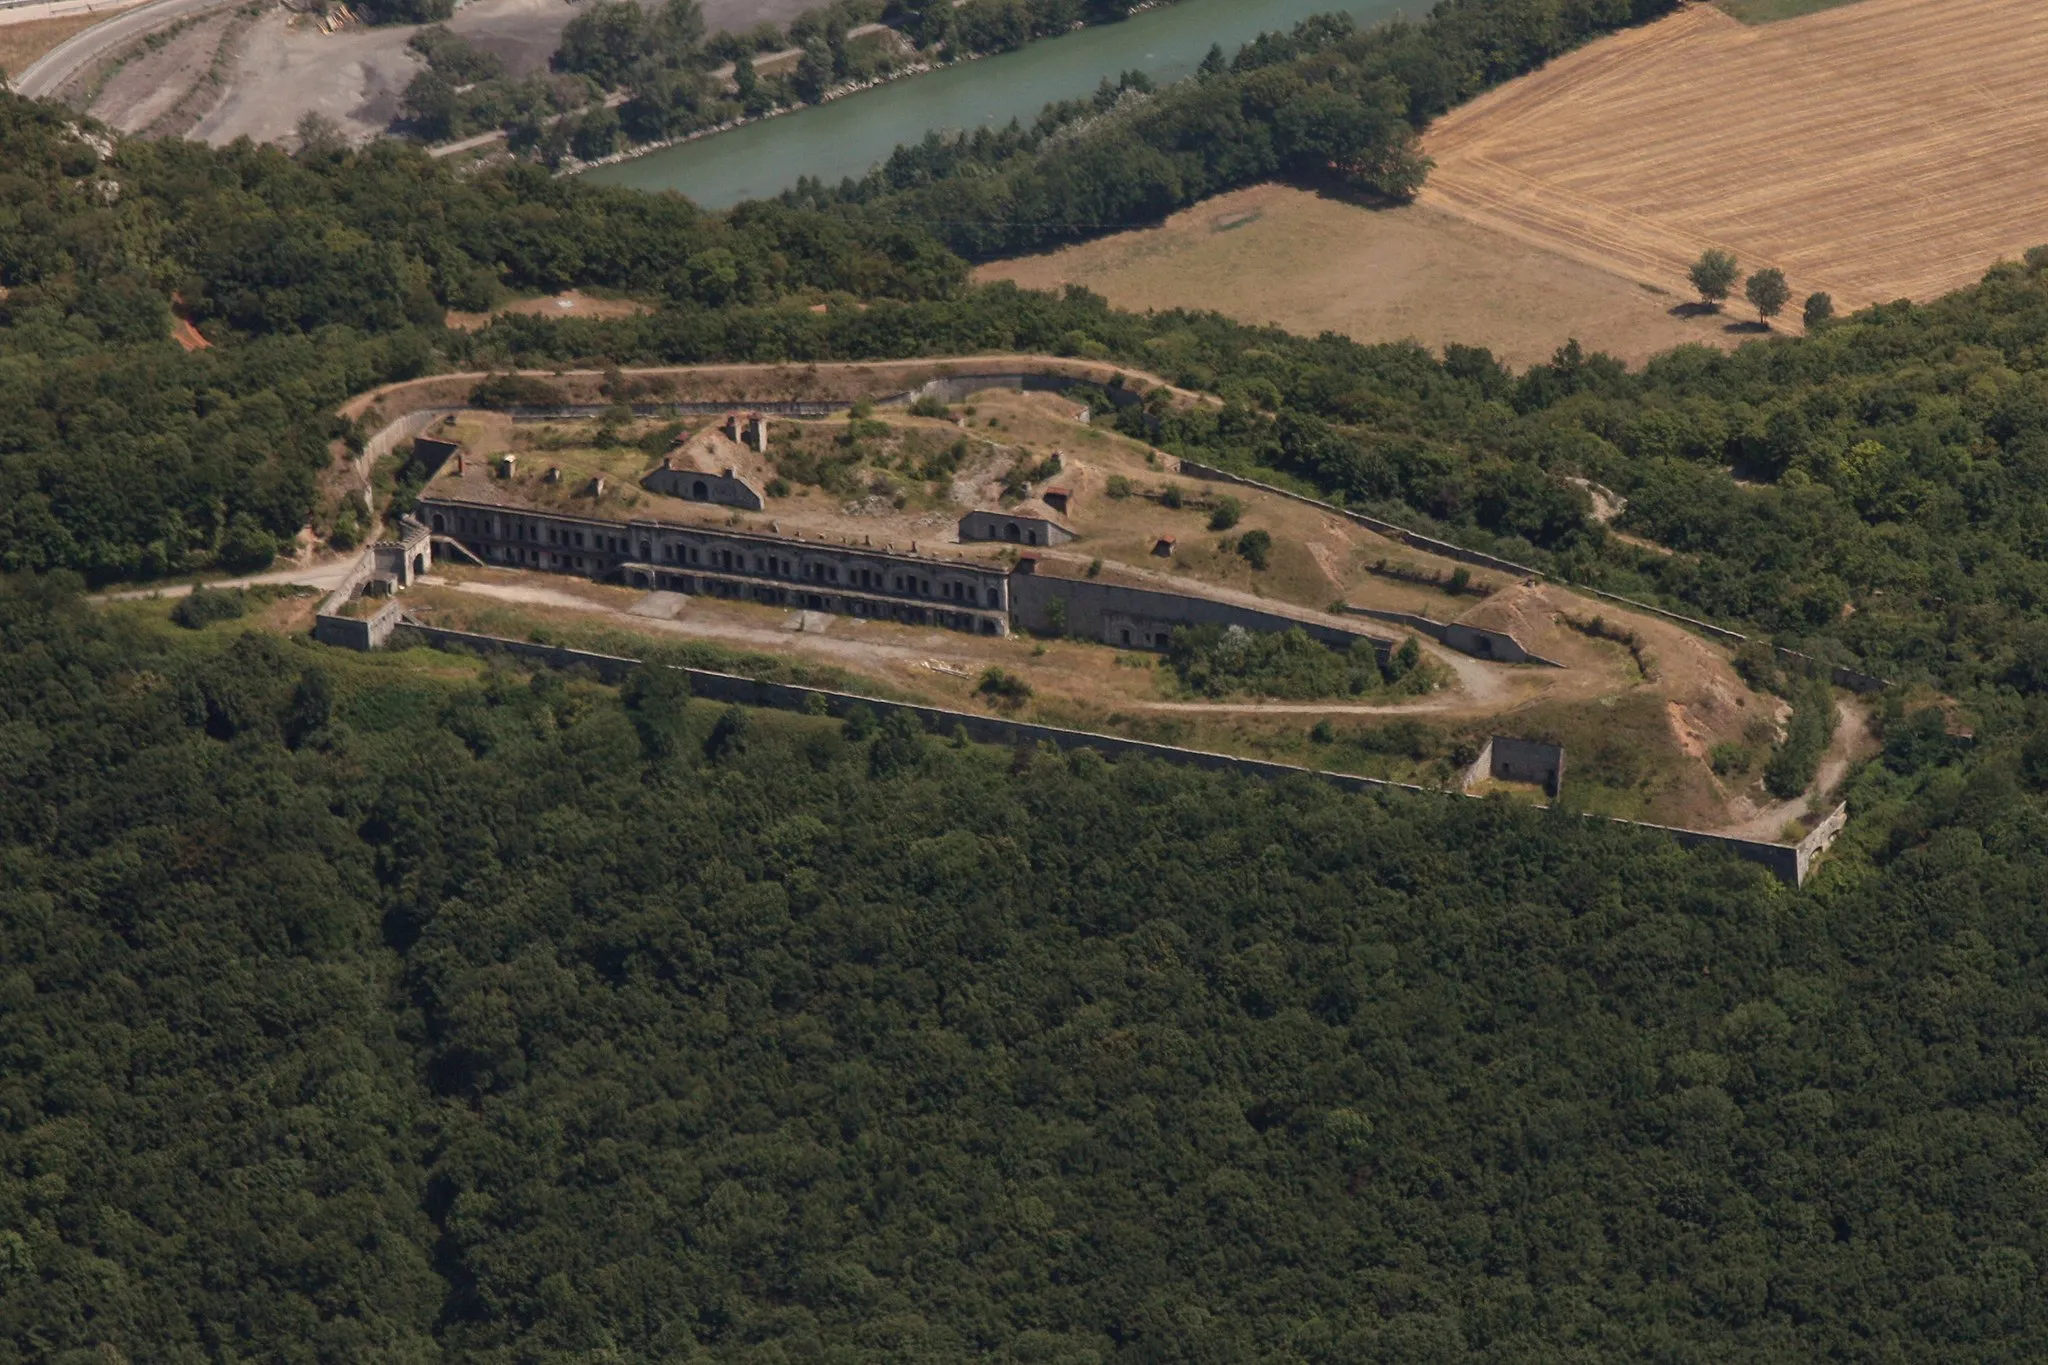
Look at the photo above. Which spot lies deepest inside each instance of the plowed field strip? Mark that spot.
(1881, 149)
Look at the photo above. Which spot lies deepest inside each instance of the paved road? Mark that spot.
(42, 78)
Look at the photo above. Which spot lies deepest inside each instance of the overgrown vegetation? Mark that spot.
(1229, 661)
(1808, 732)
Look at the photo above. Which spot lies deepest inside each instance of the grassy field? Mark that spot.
(23, 43)
(1272, 254)
(1869, 151)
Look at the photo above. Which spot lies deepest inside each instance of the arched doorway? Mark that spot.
(1010, 531)
(700, 491)
(439, 522)
(419, 565)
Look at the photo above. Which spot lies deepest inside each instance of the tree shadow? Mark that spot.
(1331, 187)
(1695, 310)
(1748, 328)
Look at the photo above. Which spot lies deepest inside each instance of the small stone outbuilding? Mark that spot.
(1028, 523)
(711, 467)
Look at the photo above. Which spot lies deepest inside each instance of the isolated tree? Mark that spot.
(813, 71)
(1713, 274)
(603, 42)
(1820, 310)
(320, 137)
(1768, 292)
(677, 29)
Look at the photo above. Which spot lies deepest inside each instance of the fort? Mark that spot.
(812, 506)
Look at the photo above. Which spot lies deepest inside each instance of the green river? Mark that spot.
(849, 136)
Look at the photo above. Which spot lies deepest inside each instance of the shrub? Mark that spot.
(1119, 487)
(203, 606)
(1219, 661)
(1228, 510)
(1729, 759)
(1256, 548)
(513, 391)
(1004, 689)
(728, 738)
(1171, 496)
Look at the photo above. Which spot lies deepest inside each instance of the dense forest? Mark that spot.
(356, 1010)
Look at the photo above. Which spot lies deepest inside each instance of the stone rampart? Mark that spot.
(1789, 863)
(955, 388)
(1479, 642)
(360, 633)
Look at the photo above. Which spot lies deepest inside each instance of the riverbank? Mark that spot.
(760, 158)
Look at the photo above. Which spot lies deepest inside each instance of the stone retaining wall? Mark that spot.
(1479, 642)
(1789, 863)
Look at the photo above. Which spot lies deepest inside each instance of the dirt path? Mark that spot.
(860, 654)
(1853, 742)
(327, 575)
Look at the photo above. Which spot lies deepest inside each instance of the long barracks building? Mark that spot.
(779, 570)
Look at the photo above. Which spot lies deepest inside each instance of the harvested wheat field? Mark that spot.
(1887, 149)
(1272, 254)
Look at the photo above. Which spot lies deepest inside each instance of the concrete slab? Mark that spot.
(659, 606)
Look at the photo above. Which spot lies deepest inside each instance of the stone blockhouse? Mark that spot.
(710, 467)
(815, 575)
(1028, 523)
(1506, 759)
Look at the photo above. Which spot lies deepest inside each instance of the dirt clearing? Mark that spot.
(573, 303)
(145, 94)
(1878, 150)
(1273, 254)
